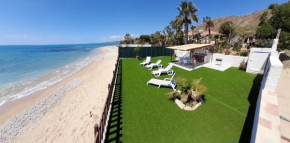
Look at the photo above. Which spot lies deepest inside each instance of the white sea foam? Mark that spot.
(25, 88)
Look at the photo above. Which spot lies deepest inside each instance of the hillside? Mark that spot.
(248, 23)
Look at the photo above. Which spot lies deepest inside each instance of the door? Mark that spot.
(257, 62)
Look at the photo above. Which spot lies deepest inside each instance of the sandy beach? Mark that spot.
(283, 92)
(64, 112)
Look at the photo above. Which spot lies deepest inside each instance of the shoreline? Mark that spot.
(13, 108)
(49, 77)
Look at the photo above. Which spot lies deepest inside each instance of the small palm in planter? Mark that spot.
(137, 50)
(190, 91)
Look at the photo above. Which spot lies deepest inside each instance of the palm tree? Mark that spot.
(190, 90)
(227, 28)
(178, 33)
(232, 28)
(128, 38)
(159, 37)
(169, 34)
(192, 29)
(208, 23)
(187, 14)
(243, 34)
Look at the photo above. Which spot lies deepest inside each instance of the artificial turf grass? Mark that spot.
(148, 115)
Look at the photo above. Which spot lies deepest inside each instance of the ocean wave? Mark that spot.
(25, 88)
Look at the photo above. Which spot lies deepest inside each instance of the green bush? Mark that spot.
(244, 53)
(264, 43)
(237, 46)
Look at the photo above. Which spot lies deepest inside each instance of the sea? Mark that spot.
(25, 69)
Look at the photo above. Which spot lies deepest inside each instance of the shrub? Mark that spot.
(190, 91)
(137, 50)
(264, 43)
(244, 53)
(173, 95)
(243, 65)
(237, 46)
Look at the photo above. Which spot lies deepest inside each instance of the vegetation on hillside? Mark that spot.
(270, 23)
(236, 30)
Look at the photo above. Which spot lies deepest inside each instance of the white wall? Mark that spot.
(257, 60)
(273, 69)
(272, 74)
(179, 53)
(229, 60)
(135, 45)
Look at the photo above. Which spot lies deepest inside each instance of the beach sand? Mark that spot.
(78, 109)
(283, 92)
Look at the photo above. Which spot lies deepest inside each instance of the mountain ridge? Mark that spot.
(247, 23)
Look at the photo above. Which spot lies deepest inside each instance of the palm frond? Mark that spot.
(173, 95)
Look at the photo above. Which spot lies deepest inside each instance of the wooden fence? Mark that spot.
(99, 129)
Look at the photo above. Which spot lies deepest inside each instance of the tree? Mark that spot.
(280, 19)
(153, 40)
(128, 38)
(284, 40)
(264, 18)
(145, 38)
(192, 29)
(208, 23)
(187, 14)
(227, 28)
(169, 36)
(178, 33)
(266, 31)
(271, 6)
(157, 39)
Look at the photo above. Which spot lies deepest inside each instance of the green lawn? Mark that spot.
(142, 113)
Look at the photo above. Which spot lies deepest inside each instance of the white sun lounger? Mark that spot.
(153, 65)
(169, 82)
(146, 62)
(167, 70)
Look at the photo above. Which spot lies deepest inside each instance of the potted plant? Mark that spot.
(137, 50)
(190, 93)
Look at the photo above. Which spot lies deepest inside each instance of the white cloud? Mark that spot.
(113, 38)
(17, 36)
(135, 35)
(116, 37)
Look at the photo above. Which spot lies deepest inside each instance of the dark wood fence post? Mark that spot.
(99, 129)
(96, 131)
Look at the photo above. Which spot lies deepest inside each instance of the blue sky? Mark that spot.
(93, 21)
